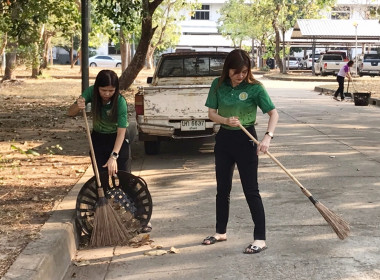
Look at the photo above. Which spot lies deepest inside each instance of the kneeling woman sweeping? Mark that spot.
(233, 99)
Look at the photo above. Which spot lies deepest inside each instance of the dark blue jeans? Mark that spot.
(340, 89)
(234, 147)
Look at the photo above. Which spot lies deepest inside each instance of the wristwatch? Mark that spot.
(114, 155)
(270, 134)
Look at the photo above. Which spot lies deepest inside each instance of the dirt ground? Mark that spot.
(43, 153)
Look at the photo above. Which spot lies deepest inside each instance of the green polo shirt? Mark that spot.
(240, 101)
(105, 125)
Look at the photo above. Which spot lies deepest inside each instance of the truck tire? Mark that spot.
(152, 147)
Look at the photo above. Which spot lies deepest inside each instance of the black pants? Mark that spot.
(340, 89)
(103, 146)
(234, 147)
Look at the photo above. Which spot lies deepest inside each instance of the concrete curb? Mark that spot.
(49, 256)
(300, 79)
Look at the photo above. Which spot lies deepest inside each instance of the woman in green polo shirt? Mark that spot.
(110, 122)
(109, 133)
(232, 100)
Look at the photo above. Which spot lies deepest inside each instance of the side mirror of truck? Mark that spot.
(149, 80)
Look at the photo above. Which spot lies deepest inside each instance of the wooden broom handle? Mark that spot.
(304, 190)
(91, 149)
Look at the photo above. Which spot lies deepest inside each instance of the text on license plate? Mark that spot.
(190, 125)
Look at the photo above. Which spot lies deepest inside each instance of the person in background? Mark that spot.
(343, 72)
(233, 99)
(110, 120)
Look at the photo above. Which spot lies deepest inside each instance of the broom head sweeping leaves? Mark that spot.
(108, 228)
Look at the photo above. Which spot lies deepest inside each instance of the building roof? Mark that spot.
(367, 30)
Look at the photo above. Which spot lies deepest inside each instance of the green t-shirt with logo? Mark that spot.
(240, 101)
(105, 125)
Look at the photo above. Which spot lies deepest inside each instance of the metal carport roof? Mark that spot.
(325, 31)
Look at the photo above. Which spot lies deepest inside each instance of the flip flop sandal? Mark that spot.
(254, 249)
(212, 240)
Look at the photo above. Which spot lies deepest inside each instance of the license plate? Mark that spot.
(193, 125)
(373, 72)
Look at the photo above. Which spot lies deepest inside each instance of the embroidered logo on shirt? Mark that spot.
(243, 96)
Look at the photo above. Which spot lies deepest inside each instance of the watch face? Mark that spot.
(115, 154)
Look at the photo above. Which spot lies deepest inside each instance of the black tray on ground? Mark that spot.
(361, 98)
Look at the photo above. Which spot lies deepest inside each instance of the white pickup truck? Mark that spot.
(173, 106)
(328, 64)
(369, 64)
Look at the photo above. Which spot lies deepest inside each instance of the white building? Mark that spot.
(200, 32)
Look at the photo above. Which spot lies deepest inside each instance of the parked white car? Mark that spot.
(329, 64)
(307, 61)
(103, 61)
(369, 64)
(291, 63)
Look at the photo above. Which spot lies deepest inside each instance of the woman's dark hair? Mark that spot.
(237, 59)
(103, 79)
(350, 63)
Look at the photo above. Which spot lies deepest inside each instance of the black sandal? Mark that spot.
(251, 249)
(211, 240)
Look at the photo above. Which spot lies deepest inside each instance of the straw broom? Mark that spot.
(108, 229)
(337, 223)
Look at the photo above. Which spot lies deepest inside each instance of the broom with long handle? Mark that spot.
(108, 228)
(338, 224)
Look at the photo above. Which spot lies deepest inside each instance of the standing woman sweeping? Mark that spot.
(232, 100)
(343, 72)
(109, 134)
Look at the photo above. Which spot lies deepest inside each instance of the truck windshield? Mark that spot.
(333, 57)
(371, 56)
(191, 66)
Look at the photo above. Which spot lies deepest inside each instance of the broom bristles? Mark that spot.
(338, 224)
(108, 228)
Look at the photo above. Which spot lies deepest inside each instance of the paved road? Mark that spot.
(332, 147)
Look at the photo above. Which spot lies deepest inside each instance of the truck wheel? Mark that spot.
(152, 147)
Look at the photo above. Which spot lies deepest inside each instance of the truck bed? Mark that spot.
(185, 102)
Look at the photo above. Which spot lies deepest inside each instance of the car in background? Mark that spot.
(369, 64)
(307, 61)
(342, 53)
(291, 62)
(103, 61)
(328, 64)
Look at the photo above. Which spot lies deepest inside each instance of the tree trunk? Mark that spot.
(35, 61)
(277, 53)
(149, 57)
(51, 56)
(138, 60)
(4, 44)
(123, 50)
(72, 53)
(45, 57)
(2, 55)
(10, 65)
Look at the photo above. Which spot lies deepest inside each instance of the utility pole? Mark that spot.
(85, 4)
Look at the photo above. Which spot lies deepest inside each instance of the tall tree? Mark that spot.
(168, 31)
(124, 13)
